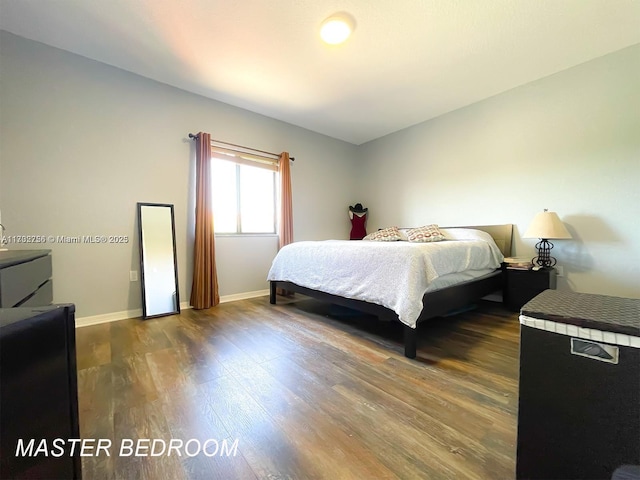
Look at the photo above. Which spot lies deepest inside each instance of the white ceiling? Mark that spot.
(407, 61)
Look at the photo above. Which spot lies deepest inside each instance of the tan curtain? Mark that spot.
(285, 232)
(204, 290)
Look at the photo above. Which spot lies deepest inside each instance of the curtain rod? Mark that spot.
(194, 136)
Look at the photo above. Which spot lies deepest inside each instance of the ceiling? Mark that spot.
(407, 61)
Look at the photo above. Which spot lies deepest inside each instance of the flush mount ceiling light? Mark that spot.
(337, 28)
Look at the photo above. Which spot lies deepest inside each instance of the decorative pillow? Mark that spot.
(390, 234)
(428, 233)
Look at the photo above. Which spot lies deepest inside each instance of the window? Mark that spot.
(244, 196)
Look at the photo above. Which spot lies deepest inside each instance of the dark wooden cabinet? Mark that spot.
(39, 392)
(520, 286)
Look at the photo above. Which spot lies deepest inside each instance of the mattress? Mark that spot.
(395, 275)
(460, 277)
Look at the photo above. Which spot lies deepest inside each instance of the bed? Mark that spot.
(417, 282)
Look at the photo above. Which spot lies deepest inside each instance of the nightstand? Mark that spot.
(520, 286)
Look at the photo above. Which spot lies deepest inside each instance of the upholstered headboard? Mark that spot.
(502, 235)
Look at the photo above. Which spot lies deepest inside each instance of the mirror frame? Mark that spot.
(175, 261)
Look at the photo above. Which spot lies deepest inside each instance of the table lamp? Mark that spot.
(546, 225)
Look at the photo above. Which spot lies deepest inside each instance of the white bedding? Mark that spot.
(395, 275)
(451, 279)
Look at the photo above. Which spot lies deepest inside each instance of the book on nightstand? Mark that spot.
(518, 263)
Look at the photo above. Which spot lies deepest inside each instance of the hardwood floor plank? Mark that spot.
(356, 423)
(260, 346)
(132, 382)
(93, 346)
(189, 416)
(311, 429)
(267, 449)
(466, 455)
(307, 394)
(147, 422)
(436, 435)
(218, 468)
(96, 417)
(150, 334)
(419, 394)
(342, 336)
(226, 352)
(165, 369)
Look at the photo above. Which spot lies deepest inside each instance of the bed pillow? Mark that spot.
(473, 234)
(390, 234)
(428, 233)
(455, 233)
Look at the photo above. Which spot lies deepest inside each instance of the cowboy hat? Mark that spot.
(358, 208)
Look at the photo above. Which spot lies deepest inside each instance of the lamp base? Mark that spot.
(544, 258)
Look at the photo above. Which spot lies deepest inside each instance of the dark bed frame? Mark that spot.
(435, 304)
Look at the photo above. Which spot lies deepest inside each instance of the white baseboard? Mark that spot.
(115, 316)
(107, 317)
(243, 296)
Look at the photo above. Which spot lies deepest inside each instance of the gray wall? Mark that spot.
(569, 142)
(81, 142)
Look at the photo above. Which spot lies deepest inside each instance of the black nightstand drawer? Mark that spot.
(520, 286)
(530, 279)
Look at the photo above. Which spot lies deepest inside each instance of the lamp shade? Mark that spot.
(547, 225)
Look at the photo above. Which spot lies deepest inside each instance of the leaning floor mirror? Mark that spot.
(158, 263)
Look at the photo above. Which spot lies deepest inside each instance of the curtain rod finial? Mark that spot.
(192, 136)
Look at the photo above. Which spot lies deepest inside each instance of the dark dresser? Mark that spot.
(25, 278)
(38, 391)
(579, 403)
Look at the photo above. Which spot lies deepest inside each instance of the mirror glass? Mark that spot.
(158, 263)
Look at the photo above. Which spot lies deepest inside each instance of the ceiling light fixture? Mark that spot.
(337, 28)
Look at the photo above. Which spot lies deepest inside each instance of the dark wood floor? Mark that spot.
(308, 391)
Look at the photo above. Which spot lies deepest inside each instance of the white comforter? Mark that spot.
(395, 275)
